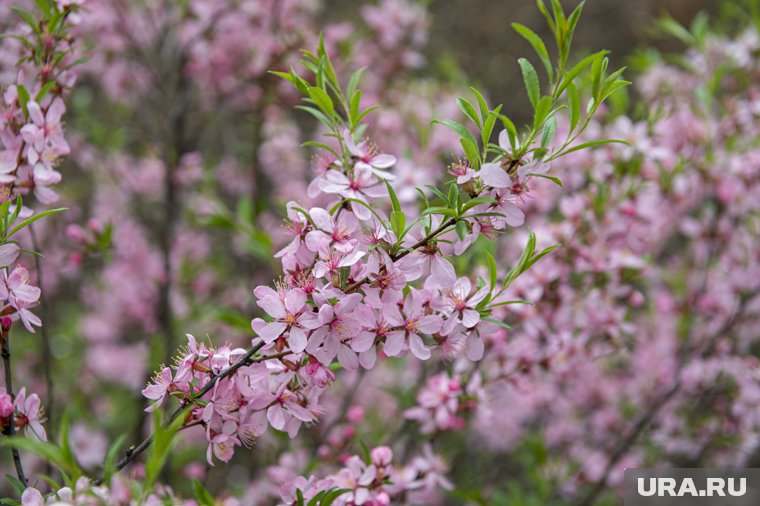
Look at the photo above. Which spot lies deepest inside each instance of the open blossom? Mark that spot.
(366, 157)
(160, 389)
(361, 184)
(460, 301)
(411, 324)
(338, 325)
(334, 232)
(29, 415)
(290, 313)
(443, 402)
(21, 296)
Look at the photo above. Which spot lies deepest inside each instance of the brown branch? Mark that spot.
(10, 430)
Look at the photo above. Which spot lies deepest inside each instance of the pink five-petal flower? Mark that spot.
(30, 414)
(287, 312)
(159, 389)
(361, 185)
(366, 156)
(338, 326)
(510, 214)
(335, 232)
(412, 323)
(460, 302)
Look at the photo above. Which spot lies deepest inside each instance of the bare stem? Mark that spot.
(10, 430)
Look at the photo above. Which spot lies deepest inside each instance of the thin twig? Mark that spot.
(10, 430)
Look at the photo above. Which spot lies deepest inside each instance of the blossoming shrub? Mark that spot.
(419, 320)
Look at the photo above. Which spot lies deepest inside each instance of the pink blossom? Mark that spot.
(412, 323)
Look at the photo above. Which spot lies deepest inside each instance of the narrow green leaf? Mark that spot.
(550, 130)
(322, 100)
(469, 110)
(398, 224)
(578, 68)
(530, 78)
(16, 484)
(202, 495)
(492, 270)
(538, 45)
(482, 104)
(394, 198)
(331, 496)
(573, 106)
(34, 218)
(28, 19)
(459, 129)
(471, 151)
(591, 144)
(498, 322)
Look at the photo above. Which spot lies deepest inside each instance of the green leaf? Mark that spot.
(299, 497)
(518, 269)
(16, 484)
(488, 125)
(498, 322)
(539, 256)
(331, 496)
(109, 464)
(471, 151)
(34, 218)
(317, 114)
(44, 91)
(542, 112)
(23, 98)
(396, 205)
(43, 449)
(459, 129)
(553, 179)
(353, 83)
(530, 78)
(440, 210)
(671, 27)
(538, 45)
(482, 104)
(476, 202)
(550, 130)
(288, 76)
(28, 19)
(573, 106)
(322, 100)
(438, 193)
(364, 114)
(492, 271)
(202, 495)
(578, 68)
(398, 224)
(469, 110)
(461, 229)
(510, 302)
(591, 144)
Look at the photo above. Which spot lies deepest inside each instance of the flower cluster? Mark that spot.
(444, 401)
(374, 481)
